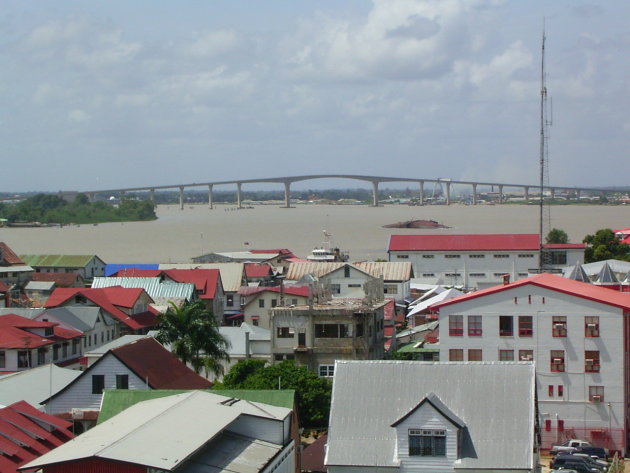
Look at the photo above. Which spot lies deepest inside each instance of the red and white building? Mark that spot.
(477, 260)
(578, 336)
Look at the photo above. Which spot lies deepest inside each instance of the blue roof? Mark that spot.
(114, 268)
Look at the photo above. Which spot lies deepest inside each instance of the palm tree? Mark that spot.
(194, 336)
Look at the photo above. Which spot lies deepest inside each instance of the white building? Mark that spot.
(407, 416)
(576, 333)
(477, 260)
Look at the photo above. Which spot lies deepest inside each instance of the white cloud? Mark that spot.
(211, 43)
(78, 116)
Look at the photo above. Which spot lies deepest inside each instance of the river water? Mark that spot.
(178, 235)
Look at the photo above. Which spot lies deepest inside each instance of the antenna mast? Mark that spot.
(544, 155)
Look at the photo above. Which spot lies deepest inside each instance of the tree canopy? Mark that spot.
(49, 208)
(312, 392)
(556, 235)
(194, 336)
(603, 245)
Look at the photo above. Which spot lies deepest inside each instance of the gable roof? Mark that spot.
(26, 433)
(389, 270)
(500, 430)
(60, 279)
(59, 261)
(8, 256)
(152, 285)
(500, 242)
(435, 401)
(255, 270)
(193, 418)
(35, 384)
(231, 273)
(108, 298)
(554, 283)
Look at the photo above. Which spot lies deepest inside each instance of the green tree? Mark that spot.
(312, 392)
(556, 235)
(603, 245)
(194, 336)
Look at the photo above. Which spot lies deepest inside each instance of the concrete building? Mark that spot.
(258, 302)
(577, 334)
(477, 261)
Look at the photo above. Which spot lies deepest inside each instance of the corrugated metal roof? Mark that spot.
(390, 270)
(153, 286)
(34, 385)
(147, 422)
(236, 337)
(464, 242)
(500, 428)
(231, 273)
(39, 286)
(58, 261)
(297, 270)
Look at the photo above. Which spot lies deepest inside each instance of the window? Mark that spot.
(41, 356)
(354, 285)
(501, 256)
(456, 354)
(326, 371)
(229, 300)
(359, 329)
(427, 443)
(596, 393)
(474, 326)
(474, 355)
(274, 302)
(335, 288)
(346, 271)
(402, 256)
(506, 355)
(506, 326)
(428, 256)
(3, 359)
(558, 257)
(24, 359)
(428, 275)
(98, 383)
(559, 326)
(64, 348)
(525, 355)
(122, 381)
(390, 289)
(333, 331)
(557, 361)
(77, 343)
(591, 361)
(560, 390)
(528, 255)
(550, 390)
(255, 321)
(294, 301)
(285, 332)
(452, 275)
(476, 256)
(456, 325)
(48, 332)
(55, 352)
(451, 256)
(477, 275)
(525, 326)
(591, 326)
(261, 303)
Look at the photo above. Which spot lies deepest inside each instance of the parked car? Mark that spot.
(598, 452)
(569, 445)
(583, 464)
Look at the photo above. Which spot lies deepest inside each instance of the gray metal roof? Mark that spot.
(34, 385)
(39, 285)
(120, 341)
(495, 400)
(80, 318)
(236, 337)
(175, 427)
(153, 286)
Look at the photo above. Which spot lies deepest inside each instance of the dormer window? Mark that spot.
(427, 443)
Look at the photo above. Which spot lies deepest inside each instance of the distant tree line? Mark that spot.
(50, 208)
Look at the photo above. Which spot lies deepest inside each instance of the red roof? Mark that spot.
(4, 287)
(151, 361)
(554, 283)
(16, 338)
(253, 270)
(60, 279)
(14, 333)
(13, 320)
(8, 257)
(107, 298)
(516, 242)
(23, 438)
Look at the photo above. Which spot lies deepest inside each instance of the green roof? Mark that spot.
(58, 261)
(410, 348)
(117, 400)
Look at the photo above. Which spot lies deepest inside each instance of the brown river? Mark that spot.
(178, 235)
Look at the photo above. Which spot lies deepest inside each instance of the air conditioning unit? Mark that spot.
(77, 413)
(591, 325)
(596, 398)
(590, 362)
(557, 360)
(559, 325)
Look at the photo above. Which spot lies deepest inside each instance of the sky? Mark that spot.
(118, 93)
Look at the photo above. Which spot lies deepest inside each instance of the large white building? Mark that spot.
(477, 260)
(577, 334)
